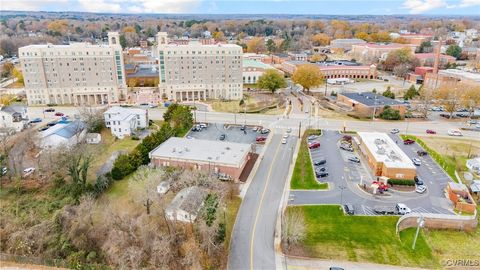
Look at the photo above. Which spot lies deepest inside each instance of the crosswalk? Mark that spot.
(367, 210)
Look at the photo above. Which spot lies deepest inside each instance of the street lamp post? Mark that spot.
(420, 224)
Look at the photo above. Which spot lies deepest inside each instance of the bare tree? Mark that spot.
(426, 99)
(451, 98)
(293, 227)
(143, 185)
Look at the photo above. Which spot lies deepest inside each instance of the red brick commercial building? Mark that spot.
(226, 159)
(428, 59)
(384, 156)
(333, 71)
(366, 103)
(416, 39)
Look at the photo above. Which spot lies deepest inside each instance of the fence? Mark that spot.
(438, 221)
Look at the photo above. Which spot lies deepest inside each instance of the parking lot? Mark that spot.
(345, 176)
(232, 133)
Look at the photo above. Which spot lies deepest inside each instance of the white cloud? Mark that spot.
(168, 6)
(113, 6)
(27, 5)
(420, 6)
(469, 3)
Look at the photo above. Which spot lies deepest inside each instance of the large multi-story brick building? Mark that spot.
(197, 71)
(333, 70)
(77, 74)
(371, 52)
(452, 78)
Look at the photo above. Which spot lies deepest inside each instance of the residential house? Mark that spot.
(13, 117)
(125, 121)
(186, 205)
(66, 134)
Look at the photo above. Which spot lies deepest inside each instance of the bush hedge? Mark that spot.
(401, 182)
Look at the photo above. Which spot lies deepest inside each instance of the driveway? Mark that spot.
(345, 176)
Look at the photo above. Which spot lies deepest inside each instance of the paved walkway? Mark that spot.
(317, 264)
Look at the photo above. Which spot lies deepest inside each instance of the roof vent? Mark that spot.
(228, 148)
(173, 150)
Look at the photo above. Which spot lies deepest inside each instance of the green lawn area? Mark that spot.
(303, 176)
(332, 235)
(255, 103)
(233, 206)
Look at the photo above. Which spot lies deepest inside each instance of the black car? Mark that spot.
(243, 127)
(320, 169)
(51, 124)
(321, 174)
(319, 162)
(349, 209)
(222, 137)
(42, 129)
(50, 110)
(422, 153)
(418, 181)
(354, 159)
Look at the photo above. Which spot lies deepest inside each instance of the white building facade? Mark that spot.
(195, 71)
(125, 121)
(78, 73)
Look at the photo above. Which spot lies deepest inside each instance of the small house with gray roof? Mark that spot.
(63, 134)
(13, 117)
(186, 205)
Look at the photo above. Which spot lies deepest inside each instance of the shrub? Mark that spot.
(390, 114)
(401, 182)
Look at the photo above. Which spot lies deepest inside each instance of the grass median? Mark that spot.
(303, 176)
(329, 234)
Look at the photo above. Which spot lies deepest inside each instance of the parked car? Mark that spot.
(408, 141)
(429, 131)
(28, 171)
(264, 131)
(346, 147)
(319, 162)
(312, 137)
(42, 129)
(321, 169)
(36, 120)
(420, 189)
(261, 139)
(284, 141)
(203, 125)
(454, 132)
(59, 114)
(49, 110)
(321, 174)
(289, 130)
(222, 137)
(313, 145)
(197, 128)
(418, 181)
(4, 171)
(354, 159)
(349, 209)
(51, 124)
(422, 153)
(398, 209)
(285, 136)
(395, 131)
(243, 127)
(153, 106)
(472, 122)
(416, 162)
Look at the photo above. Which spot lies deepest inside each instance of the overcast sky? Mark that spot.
(324, 7)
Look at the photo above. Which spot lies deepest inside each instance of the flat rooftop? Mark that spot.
(371, 99)
(204, 151)
(385, 150)
(457, 73)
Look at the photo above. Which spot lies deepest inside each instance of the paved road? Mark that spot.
(252, 244)
(275, 121)
(346, 174)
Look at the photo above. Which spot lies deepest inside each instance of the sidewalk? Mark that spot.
(317, 264)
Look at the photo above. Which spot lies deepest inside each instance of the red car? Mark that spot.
(429, 131)
(408, 141)
(260, 139)
(59, 114)
(313, 145)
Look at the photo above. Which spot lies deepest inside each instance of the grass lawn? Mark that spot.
(332, 235)
(233, 206)
(303, 176)
(254, 102)
(103, 151)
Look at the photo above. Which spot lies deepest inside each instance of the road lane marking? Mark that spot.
(260, 205)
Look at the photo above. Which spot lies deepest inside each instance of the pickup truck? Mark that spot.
(398, 209)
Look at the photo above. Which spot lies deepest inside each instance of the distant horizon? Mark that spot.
(250, 7)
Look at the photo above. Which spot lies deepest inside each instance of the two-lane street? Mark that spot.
(253, 234)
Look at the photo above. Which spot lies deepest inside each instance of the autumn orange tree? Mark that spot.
(256, 45)
(451, 98)
(320, 40)
(308, 76)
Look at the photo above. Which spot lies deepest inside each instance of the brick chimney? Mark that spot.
(437, 56)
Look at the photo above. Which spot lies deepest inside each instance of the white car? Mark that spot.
(285, 136)
(284, 141)
(289, 130)
(28, 171)
(421, 189)
(416, 162)
(395, 131)
(454, 132)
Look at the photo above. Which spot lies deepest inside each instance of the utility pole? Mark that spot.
(326, 88)
(299, 129)
(194, 110)
(341, 187)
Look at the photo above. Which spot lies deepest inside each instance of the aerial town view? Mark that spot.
(240, 135)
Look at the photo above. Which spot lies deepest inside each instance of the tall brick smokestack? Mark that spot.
(437, 56)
